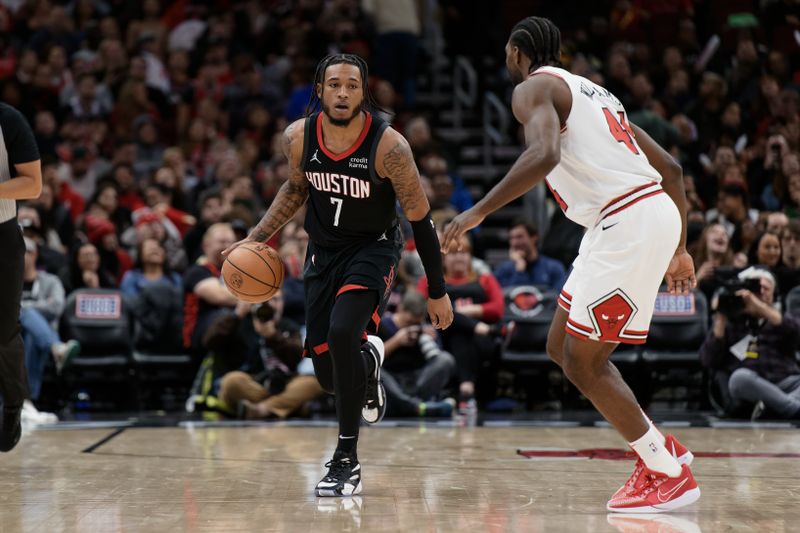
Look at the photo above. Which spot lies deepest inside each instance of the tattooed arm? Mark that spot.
(292, 194)
(396, 162)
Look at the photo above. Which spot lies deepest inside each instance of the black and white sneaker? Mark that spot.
(375, 397)
(343, 478)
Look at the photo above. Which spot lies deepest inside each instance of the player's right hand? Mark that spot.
(441, 312)
(234, 246)
(458, 227)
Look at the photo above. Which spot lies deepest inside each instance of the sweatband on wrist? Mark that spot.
(427, 243)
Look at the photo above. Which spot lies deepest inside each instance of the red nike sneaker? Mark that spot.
(680, 452)
(658, 493)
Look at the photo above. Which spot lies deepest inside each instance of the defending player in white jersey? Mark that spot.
(612, 178)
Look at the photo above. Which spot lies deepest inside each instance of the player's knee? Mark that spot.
(555, 349)
(581, 371)
(326, 382)
(342, 336)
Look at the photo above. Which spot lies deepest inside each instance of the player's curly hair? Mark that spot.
(539, 39)
(336, 59)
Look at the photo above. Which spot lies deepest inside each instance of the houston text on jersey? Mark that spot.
(339, 184)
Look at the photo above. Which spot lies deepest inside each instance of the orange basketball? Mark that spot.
(253, 272)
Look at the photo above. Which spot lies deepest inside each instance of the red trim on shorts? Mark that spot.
(631, 336)
(563, 303)
(321, 348)
(623, 196)
(576, 334)
(351, 287)
(617, 210)
(632, 341)
(566, 299)
(579, 326)
(349, 151)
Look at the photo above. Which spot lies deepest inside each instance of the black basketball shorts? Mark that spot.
(329, 273)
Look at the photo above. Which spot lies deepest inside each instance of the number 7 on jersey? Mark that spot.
(338, 203)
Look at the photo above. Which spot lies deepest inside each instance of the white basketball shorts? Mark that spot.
(612, 288)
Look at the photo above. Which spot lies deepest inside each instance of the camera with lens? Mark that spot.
(729, 303)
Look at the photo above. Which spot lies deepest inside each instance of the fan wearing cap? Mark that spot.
(758, 353)
(20, 178)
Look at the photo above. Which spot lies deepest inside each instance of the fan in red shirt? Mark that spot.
(478, 303)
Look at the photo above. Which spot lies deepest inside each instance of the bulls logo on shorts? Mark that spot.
(611, 316)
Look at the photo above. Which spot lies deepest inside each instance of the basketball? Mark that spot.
(253, 272)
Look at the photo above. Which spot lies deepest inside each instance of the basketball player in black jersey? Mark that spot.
(351, 167)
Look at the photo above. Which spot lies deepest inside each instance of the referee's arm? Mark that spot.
(23, 155)
(27, 184)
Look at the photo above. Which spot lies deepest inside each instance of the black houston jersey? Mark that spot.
(347, 201)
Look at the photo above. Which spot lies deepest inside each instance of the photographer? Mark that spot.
(416, 370)
(268, 385)
(752, 346)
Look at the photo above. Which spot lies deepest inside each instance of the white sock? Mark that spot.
(661, 436)
(650, 447)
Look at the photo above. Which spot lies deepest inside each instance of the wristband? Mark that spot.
(430, 252)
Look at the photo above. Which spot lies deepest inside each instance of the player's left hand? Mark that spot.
(441, 312)
(458, 226)
(680, 273)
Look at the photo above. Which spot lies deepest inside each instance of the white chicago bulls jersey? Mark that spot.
(600, 160)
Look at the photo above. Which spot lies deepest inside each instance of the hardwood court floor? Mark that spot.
(416, 479)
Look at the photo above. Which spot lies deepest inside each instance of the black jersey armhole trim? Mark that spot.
(374, 150)
(307, 139)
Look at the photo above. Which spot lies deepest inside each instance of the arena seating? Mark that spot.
(100, 320)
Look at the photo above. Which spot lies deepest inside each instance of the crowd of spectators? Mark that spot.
(159, 125)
